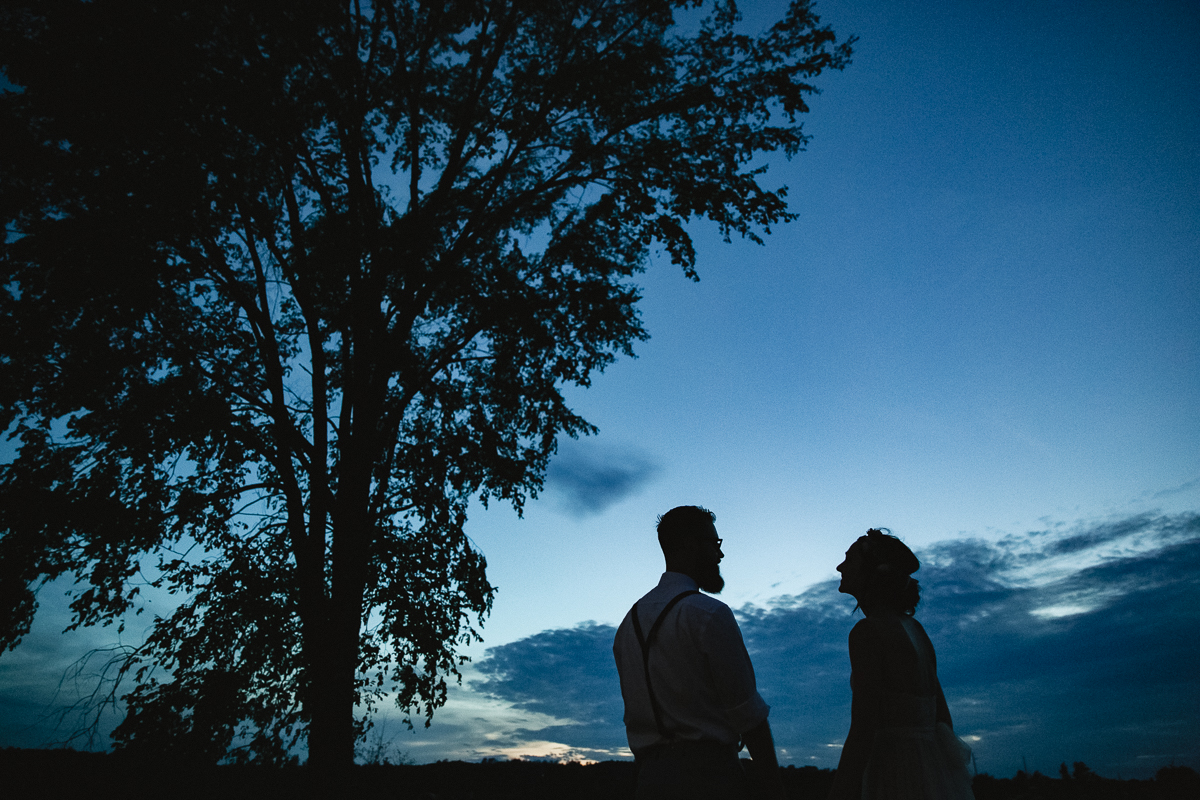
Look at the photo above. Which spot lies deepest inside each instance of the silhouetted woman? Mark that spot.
(901, 744)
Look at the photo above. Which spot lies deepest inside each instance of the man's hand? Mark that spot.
(766, 778)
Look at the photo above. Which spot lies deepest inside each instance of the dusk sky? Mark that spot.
(983, 332)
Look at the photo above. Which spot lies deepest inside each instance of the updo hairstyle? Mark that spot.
(888, 568)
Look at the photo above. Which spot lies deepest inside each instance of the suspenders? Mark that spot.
(645, 642)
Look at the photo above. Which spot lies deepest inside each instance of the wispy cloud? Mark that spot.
(1096, 664)
(1176, 490)
(588, 477)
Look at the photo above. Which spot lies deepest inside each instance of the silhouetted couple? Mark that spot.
(691, 702)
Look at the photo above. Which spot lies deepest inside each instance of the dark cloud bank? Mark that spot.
(1051, 647)
(588, 478)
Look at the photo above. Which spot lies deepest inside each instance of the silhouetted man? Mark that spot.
(687, 681)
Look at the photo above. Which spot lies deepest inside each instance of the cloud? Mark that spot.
(1095, 666)
(568, 674)
(45, 685)
(1092, 659)
(472, 726)
(588, 478)
(1177, 490)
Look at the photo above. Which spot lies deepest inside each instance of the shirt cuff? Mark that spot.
(748, 714)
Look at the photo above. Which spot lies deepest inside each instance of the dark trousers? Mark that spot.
(690, 771)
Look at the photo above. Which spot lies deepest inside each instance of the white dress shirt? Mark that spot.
(701, 673)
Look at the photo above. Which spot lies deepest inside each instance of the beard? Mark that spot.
(711, 580)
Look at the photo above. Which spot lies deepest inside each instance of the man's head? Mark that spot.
(689, 541)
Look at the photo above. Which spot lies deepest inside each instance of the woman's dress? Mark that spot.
(914, 757)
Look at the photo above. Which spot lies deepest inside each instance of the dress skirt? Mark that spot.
(918, 763)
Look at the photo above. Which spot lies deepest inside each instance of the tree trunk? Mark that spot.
(330, 729)
(333, 654)
(330, 653)
(332, 733)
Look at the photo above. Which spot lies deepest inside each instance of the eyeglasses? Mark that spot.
(717, 542)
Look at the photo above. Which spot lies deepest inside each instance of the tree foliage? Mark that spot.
(287, 285)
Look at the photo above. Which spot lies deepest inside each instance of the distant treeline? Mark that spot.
(70, 773)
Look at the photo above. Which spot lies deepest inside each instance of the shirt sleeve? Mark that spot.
(732, 672)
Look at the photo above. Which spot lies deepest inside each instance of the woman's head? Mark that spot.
(878, 573)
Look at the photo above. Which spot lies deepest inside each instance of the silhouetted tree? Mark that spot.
(286, 285)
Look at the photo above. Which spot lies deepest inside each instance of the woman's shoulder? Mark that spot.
(883, 621)
(879, 628)
(867, 631)
(867, 645)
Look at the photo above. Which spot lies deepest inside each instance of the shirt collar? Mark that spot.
(677, 581)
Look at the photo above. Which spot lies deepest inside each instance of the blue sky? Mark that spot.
(983, 331)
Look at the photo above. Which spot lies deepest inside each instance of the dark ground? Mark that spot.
(72, 774)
